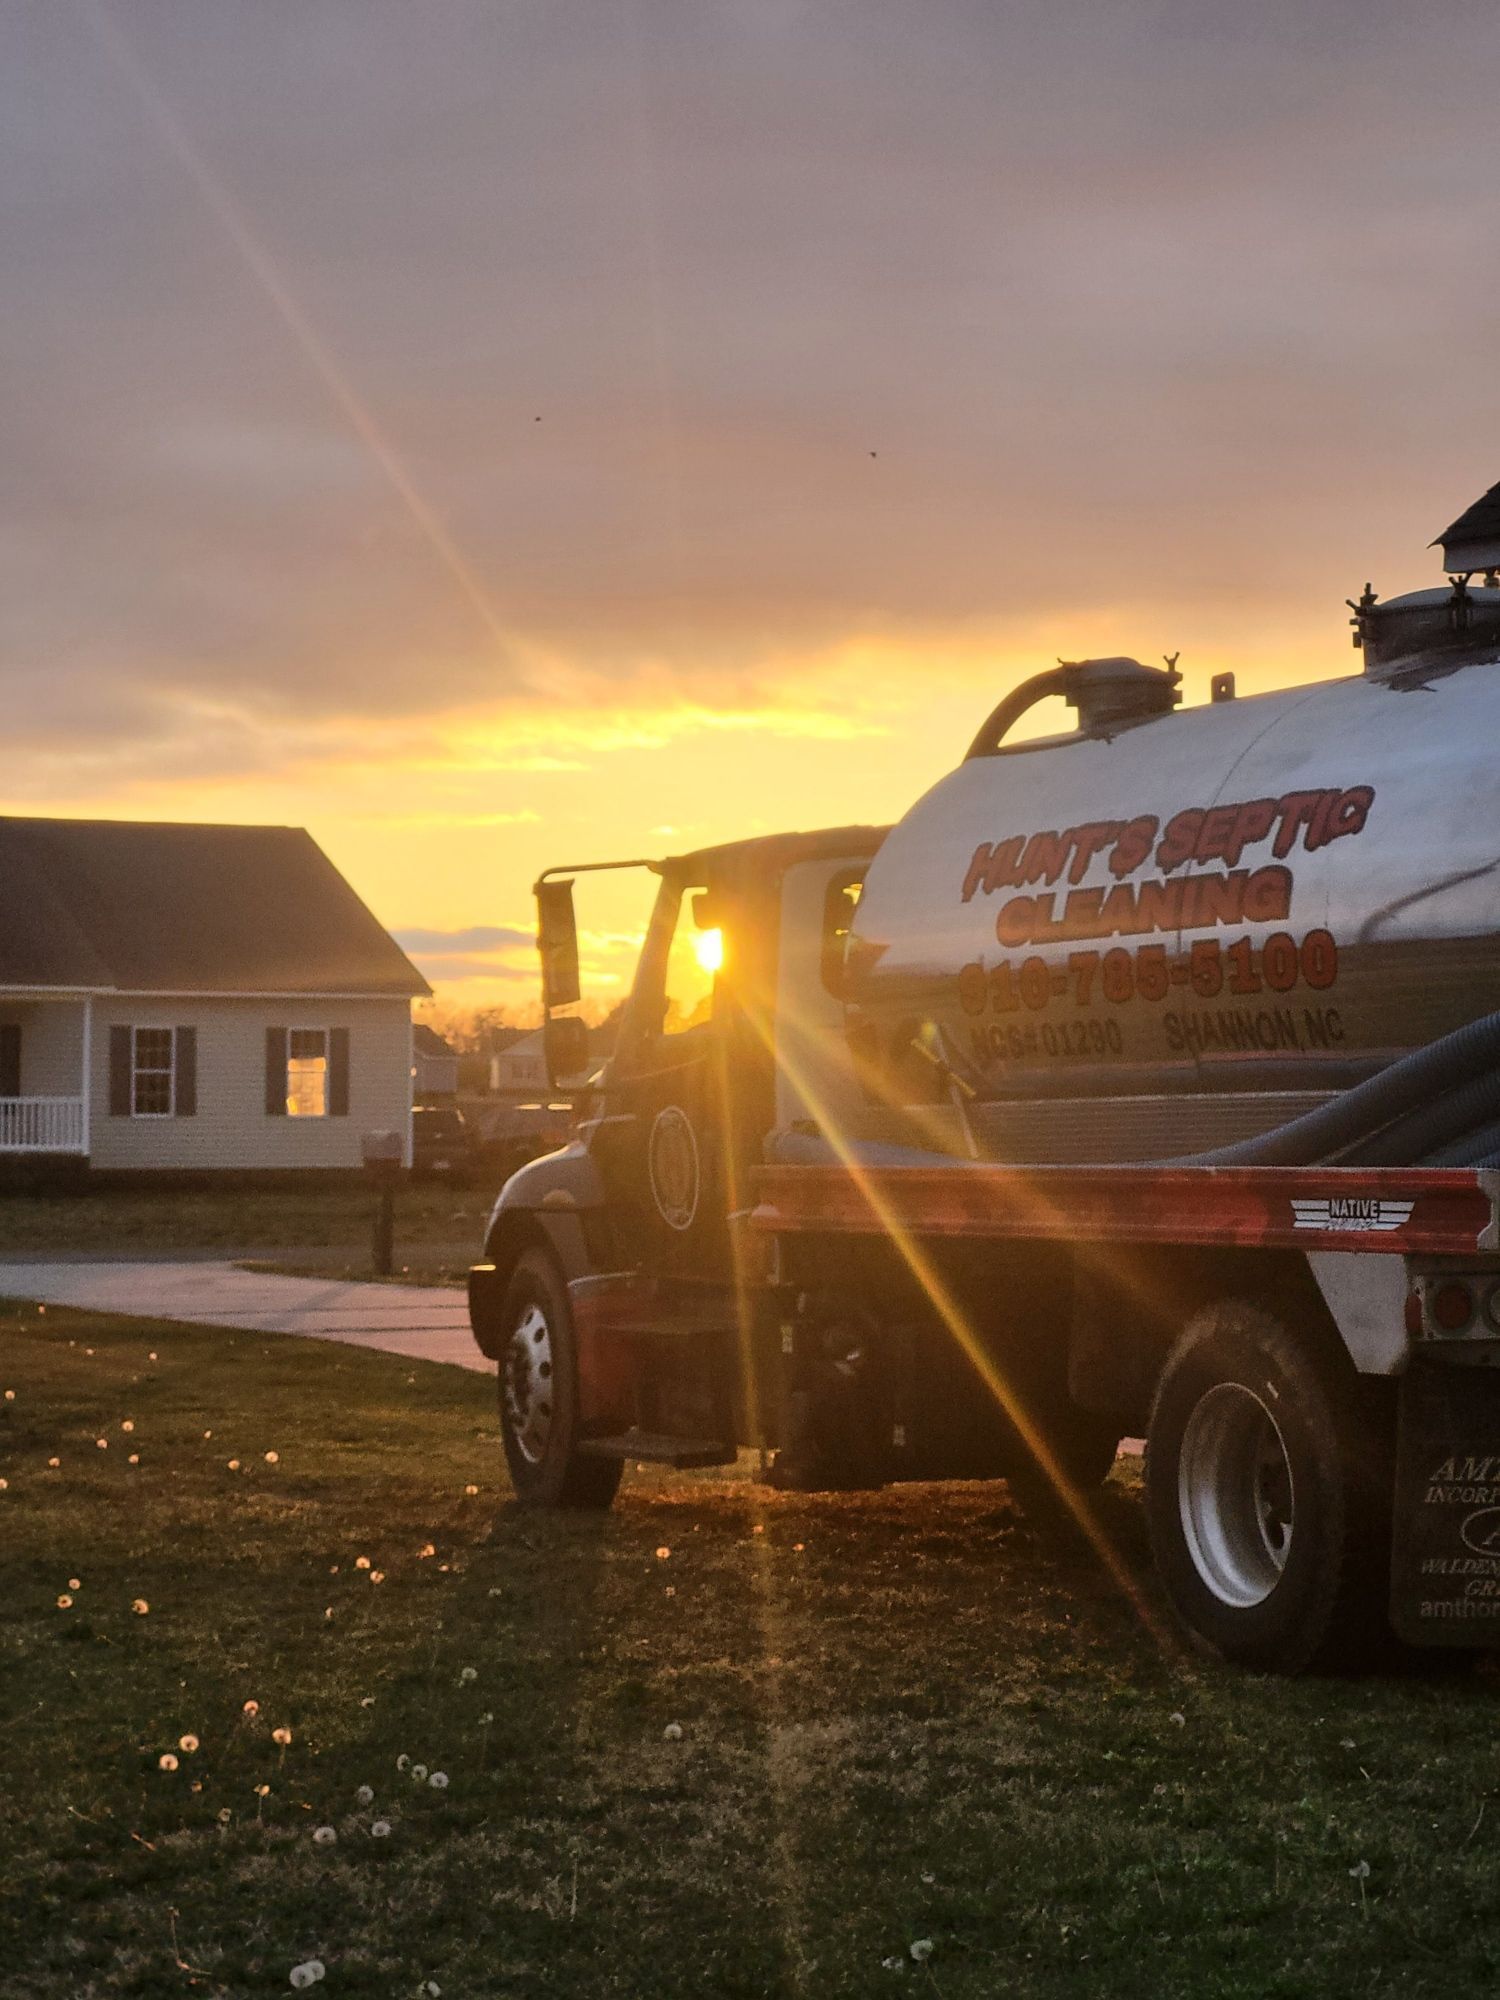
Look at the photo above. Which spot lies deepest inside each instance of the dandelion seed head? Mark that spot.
(377, 1576)
(282, 1735)
(361, 1562)
(1361, 1871)
(403, 1762)
(134, 1458)
(251, 1707)
(324, 1836)
(75, 1583)
(273, 1458)
(128, 1425)
(439, 1781)
(101, 1444)
(150, 1357)
(234, 1465)
(427, 1549)
(1177, 1719)
(262, 1791)
(468, 1673)
(365, 1796)
(139, 1606)
(662, 1553)
(419, 1772)
(64, 1602)
(920, 1950)
(208, 1434)
(307, 1974)
(54, 1463)
(225, 1815)
(188, 1743)
(4, 1483)
(166, 1761)
(672, 1733)
(486, 1718)
(380, 1829)
(10, 1395)
(470, 1492)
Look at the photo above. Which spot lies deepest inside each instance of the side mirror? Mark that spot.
(565, 1041)
(557, 941)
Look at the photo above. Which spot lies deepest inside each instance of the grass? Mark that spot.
(438, 1226)
(903, 1715)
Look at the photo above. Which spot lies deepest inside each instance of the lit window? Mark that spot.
(151, 1073)
(307, 1073)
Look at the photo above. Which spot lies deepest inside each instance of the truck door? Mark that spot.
(669, 1146)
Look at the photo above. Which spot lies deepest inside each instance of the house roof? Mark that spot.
(427, 1041)
(1479, 523)
(151, 908)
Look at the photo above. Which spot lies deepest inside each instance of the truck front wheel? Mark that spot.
(539, 1423)
(1263, 1495)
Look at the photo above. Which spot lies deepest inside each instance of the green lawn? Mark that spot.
(903, 1717)
(439, 1227)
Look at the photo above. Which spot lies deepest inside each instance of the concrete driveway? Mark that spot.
(424, 1322)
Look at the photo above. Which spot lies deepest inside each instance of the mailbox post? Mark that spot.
(382, 1152)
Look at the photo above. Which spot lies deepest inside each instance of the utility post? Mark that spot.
(382, 1157)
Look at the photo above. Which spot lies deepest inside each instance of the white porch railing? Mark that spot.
(41, 1124)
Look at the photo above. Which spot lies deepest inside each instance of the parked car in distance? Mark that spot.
(442, 1142)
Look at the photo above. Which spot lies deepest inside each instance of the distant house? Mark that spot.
(520, 1068)
(434, 1065)
(194, 997)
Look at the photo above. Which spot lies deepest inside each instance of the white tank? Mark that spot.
(1172, 932)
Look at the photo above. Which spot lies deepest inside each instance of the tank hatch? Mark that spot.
(1428, 631)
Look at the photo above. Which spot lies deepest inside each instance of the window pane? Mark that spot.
(692, 960)
(151, 1079)
(307, 1086)
(153, 1048)
(308, 1042)
(153, 1094)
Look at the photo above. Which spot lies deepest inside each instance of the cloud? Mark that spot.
(473, 938)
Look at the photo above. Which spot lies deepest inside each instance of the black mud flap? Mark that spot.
(1445, 1548)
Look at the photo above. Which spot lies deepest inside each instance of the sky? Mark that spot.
(495, 433)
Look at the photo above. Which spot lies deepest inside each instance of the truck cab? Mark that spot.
(628, 1305)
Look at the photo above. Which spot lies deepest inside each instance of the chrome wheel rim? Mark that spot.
(527, 1384)
(1236, 1495)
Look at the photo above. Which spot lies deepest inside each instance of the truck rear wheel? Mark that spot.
(1262, 1495)
(539, 1424)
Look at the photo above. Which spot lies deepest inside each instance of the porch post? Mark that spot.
(88, 1069)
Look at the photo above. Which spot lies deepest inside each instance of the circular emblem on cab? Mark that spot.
(672, 1160)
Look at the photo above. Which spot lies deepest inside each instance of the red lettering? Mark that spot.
(1296, 810)
(1134, 845)
(1016, 920)
(1001, 873)
(1252, 822)
(1350, 813)
(1214, 834)
(1268, 896)
(1180, 838)
(1044, 857)
(1158, 908)
(1087, 841)
(977, 869)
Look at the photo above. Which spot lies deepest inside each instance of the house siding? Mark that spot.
(231, 1128)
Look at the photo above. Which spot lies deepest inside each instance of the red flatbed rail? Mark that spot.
(1431, 1211)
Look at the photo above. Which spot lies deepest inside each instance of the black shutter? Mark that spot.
(10, 1059)
(276, 1072)
(338, 1072)
(186, 1054)
(119, 1072)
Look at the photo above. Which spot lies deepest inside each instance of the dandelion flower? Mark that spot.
(439, 1781)
(921, 1950)
(469, 1674)
(324, 1836)
(672, 1733)
(419, 1772)
(273, 1458)
(166, 1761)
(139, 1606)
(188, 1743)
(127, 1425)
(64, 1602)
(252, 1707)
(403, 1762)
(361, 1562)
(380, 1829)
(282, 1735)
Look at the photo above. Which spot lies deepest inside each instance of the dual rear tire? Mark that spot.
(1267, 1483)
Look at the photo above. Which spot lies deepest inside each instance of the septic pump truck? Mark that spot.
(1143, 1079)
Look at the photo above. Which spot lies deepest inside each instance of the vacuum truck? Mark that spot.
(1143, 1080)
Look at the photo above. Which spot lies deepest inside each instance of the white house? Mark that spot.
(520, 1069)
(194, 998)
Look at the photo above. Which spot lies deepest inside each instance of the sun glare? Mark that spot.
(708, 949)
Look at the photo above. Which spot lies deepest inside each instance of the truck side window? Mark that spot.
(839, 905)
(693, 958)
